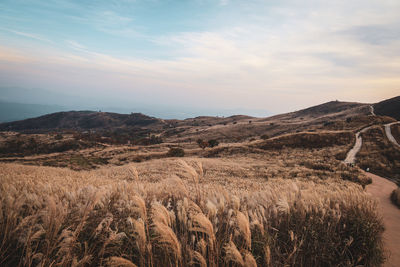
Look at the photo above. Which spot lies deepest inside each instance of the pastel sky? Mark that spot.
(276, 56)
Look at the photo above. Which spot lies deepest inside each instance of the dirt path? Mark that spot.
(372, 110)
(389, 133)
(351, 155)
(381, 189)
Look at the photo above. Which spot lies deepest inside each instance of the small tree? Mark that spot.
(176, 152)
(202, 143)
(213, 143)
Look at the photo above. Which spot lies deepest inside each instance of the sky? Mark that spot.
(253, 56)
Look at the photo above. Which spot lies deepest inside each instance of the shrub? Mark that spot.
(264, 136)
(213, 143)
(202, 143)
(176, 152)
(58, 136)
(395, 197)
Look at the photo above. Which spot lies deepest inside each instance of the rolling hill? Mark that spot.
(333, 115)
(389, 107)
(81, 120)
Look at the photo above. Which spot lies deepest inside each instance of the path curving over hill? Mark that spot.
(351, 155)
(372, 110)
(389, 133)
(381, 189)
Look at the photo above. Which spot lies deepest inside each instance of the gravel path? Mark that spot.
(381, 189)
(389, 133)
(351, 155)
(372, 110)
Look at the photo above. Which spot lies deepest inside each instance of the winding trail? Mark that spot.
(389, 133)
(381, 189)
(351, 155)
(372, 110)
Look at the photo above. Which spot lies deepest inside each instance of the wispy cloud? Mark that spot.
(75, 45)
(28, 35)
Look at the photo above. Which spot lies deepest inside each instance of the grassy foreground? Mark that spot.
(57, 217)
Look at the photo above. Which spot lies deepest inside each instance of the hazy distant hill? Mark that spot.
(389, 107)
(16, 111)
(44, 97)
(81, 120)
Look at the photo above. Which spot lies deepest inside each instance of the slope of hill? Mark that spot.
(332, 109)
(81, 120)
(389, 107)
(334, 115)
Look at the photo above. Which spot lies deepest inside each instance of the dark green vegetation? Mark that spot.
(176, 152)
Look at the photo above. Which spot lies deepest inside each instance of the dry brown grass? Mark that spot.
(60, 217)
(379, 154)
(395, 129)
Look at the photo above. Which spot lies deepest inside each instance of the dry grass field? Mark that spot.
(116, 217)
(395, 129)
(274, 192)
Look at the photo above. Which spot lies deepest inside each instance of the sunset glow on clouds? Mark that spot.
(272, 55)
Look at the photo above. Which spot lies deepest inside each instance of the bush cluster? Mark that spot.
(395, 197)
(176, 152)
(210, 143)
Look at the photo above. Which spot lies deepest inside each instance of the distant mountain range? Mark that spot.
(90, 120)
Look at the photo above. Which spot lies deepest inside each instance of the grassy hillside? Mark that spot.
(389, 107)
(82, 120)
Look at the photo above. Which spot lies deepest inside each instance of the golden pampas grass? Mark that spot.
(160, 214)
(166, 239)
(249, 260)
(197, 258)
(244, 227)
(119, 262)
(232, 254)
(203, 225)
